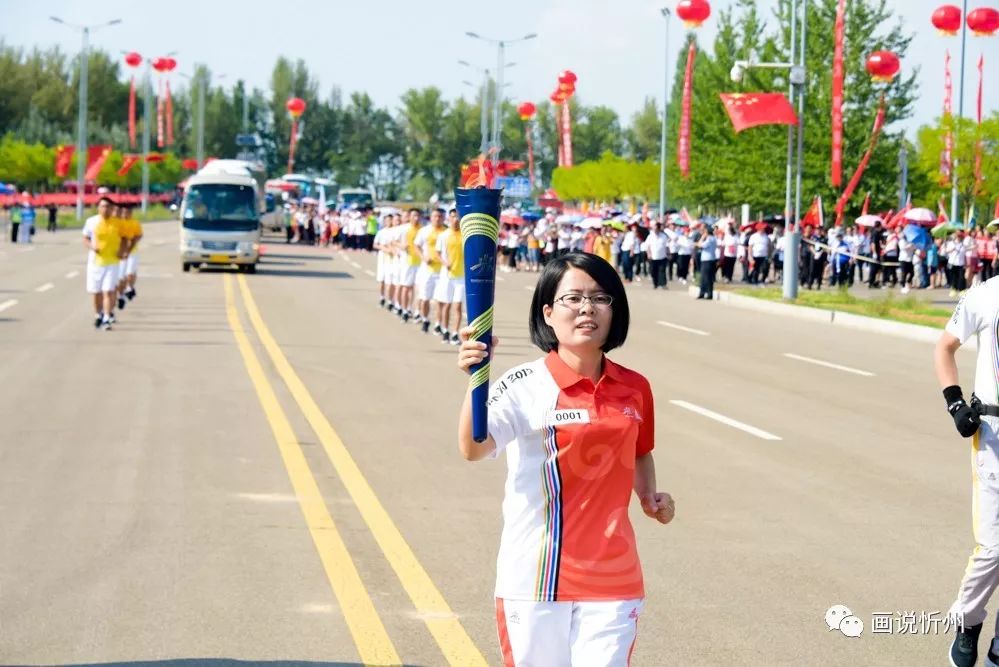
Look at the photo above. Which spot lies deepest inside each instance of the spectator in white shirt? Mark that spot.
(657, 248)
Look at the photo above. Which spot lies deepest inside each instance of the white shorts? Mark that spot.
(449, 290)
(407, 275)
(392, 268)
(380, 268)
(559, 634)
(131, 264)
(102, 278)
(426, 282)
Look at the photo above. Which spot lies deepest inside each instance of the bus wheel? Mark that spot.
(186, 267)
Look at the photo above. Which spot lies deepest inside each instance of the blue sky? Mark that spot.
(386, 46)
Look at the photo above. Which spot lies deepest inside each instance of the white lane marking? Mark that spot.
(370, 272)
(828, 364)
(44, 288)
(728, 421)
(528, 288)
(355, 264)
(9, 303)
(27, 249)
(500, 279)
(159, 242)
(680, 327)
(72, 274)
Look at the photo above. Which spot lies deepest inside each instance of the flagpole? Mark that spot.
(662, 142)
(793, 240)
(954, 211)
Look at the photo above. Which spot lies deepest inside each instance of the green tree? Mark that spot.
(643, 136)
(422, 118)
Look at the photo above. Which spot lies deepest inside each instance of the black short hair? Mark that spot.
(603, 273)
(107, 199)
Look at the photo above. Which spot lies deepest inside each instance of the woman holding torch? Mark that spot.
(578, 430)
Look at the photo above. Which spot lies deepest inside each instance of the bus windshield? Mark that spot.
(219, 207)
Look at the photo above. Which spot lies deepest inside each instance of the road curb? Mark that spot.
(916, 332)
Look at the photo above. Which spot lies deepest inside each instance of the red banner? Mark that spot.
(879, 121)
(566, 135)
(64, 156)
(169, 116)
(836, 176)
(131, 113)
(96, 157)
(291, 144)
(159, 112)
(948, 152)
(530, 152)
(127, 162)
(683, 141)
(814, 216)
(979, 178)
(748, 110)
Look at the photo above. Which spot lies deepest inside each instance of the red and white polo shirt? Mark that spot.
(571, 448)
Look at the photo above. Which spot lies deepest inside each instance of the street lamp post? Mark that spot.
(662, 141)
(954, 209)
(81, 139)
(498, 109)
(903, 176)
(792, 239)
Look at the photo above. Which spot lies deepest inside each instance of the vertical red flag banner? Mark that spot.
(159, 111)
(96, 157)
(64, 156)
(867, 202)
(836, 165)
(131, 113)
(683, 141)
(127, 162)
(169, 116)
(530, 152)
(879, 121)
(948, 152)
(566, 135)
(979, 178)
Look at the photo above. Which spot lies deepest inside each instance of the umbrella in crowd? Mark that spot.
(945, 229)
(923, 216)
(992, 226)
(868, 220)
(917, 235)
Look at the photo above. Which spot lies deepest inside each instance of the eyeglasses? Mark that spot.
(576, 301)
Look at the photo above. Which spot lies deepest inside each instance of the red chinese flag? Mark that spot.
(836, 175)
(64, 156)
(96, 157)
(683, 142)
(813, 216)
(751, 109)
(127, 162)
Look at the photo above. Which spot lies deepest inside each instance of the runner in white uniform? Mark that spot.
(976, 313)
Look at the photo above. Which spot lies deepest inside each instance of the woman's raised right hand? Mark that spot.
(471, 352)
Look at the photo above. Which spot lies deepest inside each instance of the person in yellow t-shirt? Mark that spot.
(453, 261)
(102, 237)
(602, 246)
(430, 268)
(410, 267)
(132, 260)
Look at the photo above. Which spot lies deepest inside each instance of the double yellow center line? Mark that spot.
(373, 643)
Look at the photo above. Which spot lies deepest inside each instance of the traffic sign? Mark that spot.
(247, 140)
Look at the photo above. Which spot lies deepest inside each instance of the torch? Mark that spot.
(479, 210)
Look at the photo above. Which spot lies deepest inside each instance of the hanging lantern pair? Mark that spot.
(983, 22)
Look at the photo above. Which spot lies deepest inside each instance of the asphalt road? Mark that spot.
(264, 468)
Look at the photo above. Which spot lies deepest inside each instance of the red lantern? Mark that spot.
(160, 64)
(295, 106)
(567, 77)
(558, 97)
(133, 59)
(526, 110)
(947, 19)
(169, 64)
(189, 163)
(693, 12)
(883, 65)
(983, 21)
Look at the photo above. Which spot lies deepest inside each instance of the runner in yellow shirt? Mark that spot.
(102, 238)
(132, 261)
(411, 263)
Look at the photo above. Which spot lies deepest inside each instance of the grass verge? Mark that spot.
(908, 309)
